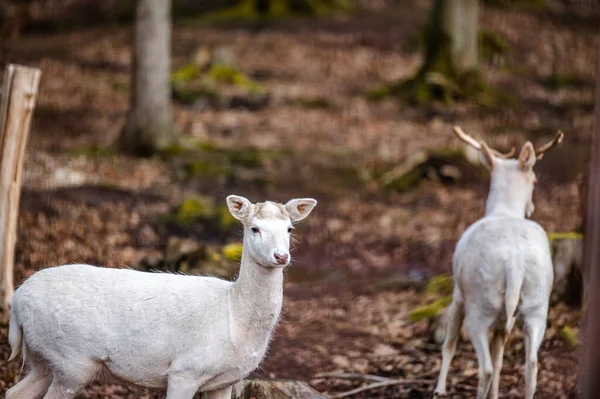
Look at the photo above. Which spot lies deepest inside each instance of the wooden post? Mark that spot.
(590, 359)
(18, 101)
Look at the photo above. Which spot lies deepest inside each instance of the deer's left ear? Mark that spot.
(527, 157)
(299, 209)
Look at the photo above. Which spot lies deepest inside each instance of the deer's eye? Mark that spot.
(289, 229)
(255, 229)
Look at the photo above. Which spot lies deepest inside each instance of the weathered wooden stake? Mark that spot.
(18, 101)
(590, 359)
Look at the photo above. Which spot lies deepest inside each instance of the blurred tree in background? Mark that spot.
(149, 126)
(450, 68)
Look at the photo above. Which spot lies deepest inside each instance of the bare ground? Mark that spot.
(341, 311)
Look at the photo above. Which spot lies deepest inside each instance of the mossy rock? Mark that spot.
(429, 311)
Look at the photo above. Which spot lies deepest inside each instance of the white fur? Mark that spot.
(183, 333)
(501, 265)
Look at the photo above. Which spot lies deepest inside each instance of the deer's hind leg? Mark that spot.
(456, 315)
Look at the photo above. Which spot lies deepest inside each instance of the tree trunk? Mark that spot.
(149, 125)
(460, 23)
(450, 66)
(591, 265)
(18, 101)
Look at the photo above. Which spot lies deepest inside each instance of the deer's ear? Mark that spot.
(299, 209)
(527, 157)
(239, 207)
(486, 157)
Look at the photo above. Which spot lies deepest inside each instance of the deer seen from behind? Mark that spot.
(502, 265)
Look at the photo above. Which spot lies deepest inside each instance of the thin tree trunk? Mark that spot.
(591, 265)
(18, 101)
(461, 25)
(149, 125)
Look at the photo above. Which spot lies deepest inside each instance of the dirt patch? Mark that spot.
(82, 203)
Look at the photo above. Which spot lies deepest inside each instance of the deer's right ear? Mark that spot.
(486, 157)
(239, 207)
(527, 157)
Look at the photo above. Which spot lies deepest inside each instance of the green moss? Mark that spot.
(314, 103)
(406, 182)
(233, 252)
(185, 73)
(569, 335)
(430, 310)
(194, 208)
(558, 81)
(189, 83)
(250, 157)
(491, 44)
(226, 221)
(222, 73)
(565, 236)
(202, 167)
(120, 86)
(378, 92)
(442, 284)
(189, 94)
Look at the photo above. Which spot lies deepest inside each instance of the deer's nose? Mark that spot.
(281, 257)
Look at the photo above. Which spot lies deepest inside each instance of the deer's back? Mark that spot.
(495, 246)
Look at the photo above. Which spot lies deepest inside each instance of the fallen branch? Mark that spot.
(351, 376)
(390, 382)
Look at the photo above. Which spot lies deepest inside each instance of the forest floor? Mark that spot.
(364, 253)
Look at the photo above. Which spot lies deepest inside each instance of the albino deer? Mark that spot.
(501, 265)
(183, 333)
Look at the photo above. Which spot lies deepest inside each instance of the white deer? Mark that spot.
(184, 333)
(502, 264)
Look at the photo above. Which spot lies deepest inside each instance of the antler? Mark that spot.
(558, 137)
(477, 145)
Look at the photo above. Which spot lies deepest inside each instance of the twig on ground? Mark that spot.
(350, 376)
(399, 381)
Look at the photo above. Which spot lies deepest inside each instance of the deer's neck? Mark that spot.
(255, 301)
(504, 200)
